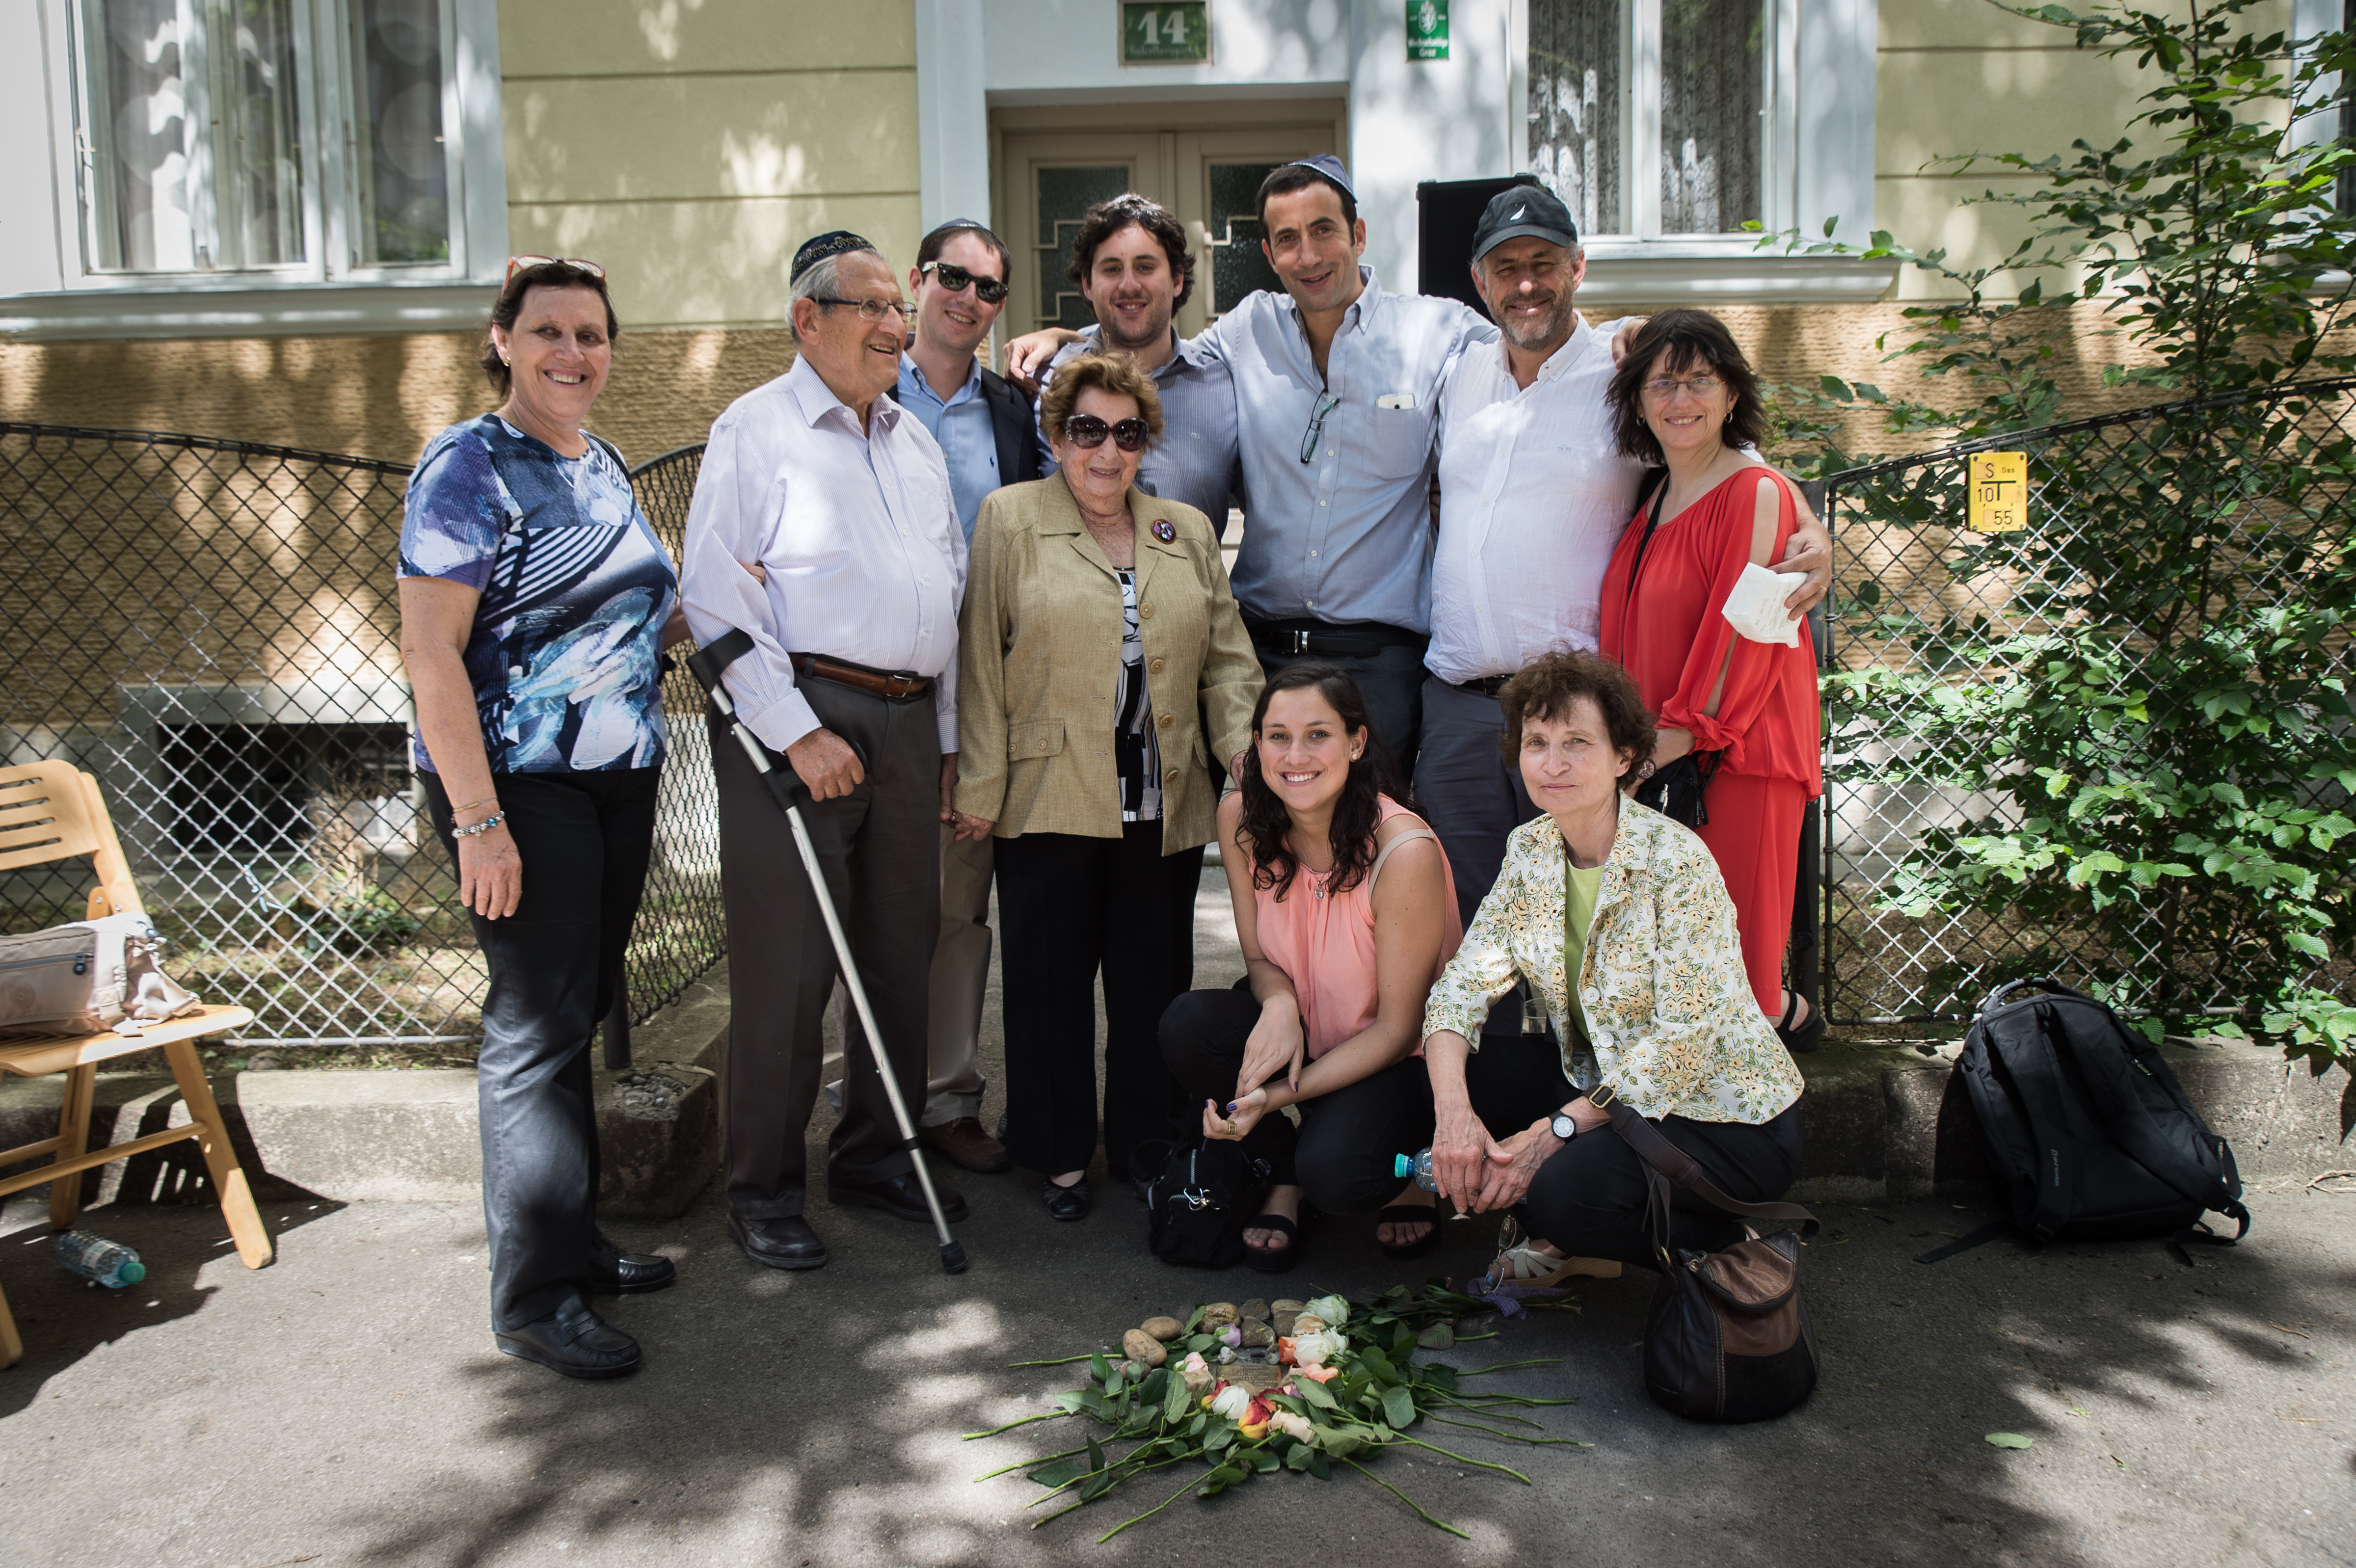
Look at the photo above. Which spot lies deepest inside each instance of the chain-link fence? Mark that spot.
(2173, 575)
(210, 628)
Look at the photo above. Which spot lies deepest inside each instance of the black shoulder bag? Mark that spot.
(1727, 1337)
(1676, 790)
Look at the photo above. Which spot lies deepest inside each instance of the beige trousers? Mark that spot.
(960, 975)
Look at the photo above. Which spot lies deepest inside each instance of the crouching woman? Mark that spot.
(1620, 919)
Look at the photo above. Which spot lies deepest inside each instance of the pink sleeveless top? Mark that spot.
(1324, 942)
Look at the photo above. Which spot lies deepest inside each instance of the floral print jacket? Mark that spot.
(1674, 1027)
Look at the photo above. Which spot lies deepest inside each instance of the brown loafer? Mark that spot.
(964, 1143)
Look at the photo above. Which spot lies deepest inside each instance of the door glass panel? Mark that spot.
(256, 96)
(1713, 88)
(1238, 264)
(1065, 195)
(402, 164)
(1575, 111)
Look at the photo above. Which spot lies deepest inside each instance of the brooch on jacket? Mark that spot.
(1165, 530)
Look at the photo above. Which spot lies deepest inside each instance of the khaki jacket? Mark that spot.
(1039, 667)
(1669, 1009)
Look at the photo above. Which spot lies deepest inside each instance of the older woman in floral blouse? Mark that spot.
(1618, 918)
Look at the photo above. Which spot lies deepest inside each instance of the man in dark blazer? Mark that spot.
(985, 428)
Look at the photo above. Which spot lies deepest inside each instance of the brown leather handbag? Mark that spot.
(1727, 1337)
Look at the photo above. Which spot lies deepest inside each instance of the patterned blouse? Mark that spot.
(1137, 755)
(1670, 1016)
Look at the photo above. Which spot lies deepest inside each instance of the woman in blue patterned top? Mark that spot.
(535, 603)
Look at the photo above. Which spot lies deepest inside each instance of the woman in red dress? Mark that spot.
(1685, 397)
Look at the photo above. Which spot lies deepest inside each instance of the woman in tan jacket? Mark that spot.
(1098, 638)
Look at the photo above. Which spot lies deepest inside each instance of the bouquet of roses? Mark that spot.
(1269, 1387)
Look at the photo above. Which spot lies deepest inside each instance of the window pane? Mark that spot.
(1237, 266)
(402, 170)
(1713, 91)
(1064, 195)
(1575, 108)
(258, 100)
(138, 117)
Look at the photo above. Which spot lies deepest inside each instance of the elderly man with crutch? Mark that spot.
(823, 531)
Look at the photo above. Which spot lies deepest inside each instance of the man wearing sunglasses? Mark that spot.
(983, 424)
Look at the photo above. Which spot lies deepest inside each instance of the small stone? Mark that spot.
(1217, 1316)
(1283, 1323)
(1258, 1336)
(1254, 1308)
(1226, 1355)
(1141, 1346)
(1288, 1305)
(1163, 1328)
(265, 1064)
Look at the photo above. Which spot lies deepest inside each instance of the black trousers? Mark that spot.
(1473, 799)
(1340, 1155)
(1591, 1200)
(880, 846)
(1069, 908)
(555, 969)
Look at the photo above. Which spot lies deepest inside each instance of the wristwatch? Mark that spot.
(1563, 1127)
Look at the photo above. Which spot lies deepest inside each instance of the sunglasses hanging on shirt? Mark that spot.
(1088, 432)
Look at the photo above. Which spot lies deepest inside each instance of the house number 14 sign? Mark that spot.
(1161, 34)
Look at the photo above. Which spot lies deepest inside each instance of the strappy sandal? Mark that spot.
(1426, 1214)
(1274, 1260)
(1806, 1036)
(1537, 1270)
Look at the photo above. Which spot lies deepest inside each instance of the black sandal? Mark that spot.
(1277, 1260)
(1806, 1036)
(1410, 1214)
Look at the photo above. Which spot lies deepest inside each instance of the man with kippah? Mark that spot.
(823, 527)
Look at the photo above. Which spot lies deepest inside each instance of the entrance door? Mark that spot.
(1203, 162)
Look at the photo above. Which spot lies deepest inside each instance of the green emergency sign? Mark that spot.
(1426, 29)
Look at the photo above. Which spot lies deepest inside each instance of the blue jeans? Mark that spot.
(555, 970)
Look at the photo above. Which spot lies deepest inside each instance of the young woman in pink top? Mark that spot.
(1346, 913)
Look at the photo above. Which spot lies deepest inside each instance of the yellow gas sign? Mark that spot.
(1999, 491)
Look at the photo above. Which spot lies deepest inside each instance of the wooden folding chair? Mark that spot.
(52, 811)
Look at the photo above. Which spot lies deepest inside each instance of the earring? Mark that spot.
(505, 360)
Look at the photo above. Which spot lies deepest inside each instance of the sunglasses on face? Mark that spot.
(954, 278)
(518, 263)
(1088, 432)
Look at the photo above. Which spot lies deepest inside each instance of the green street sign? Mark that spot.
(1158, 33)
(1426, 29)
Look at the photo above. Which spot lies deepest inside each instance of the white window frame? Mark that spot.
(1816, 163)
(330, 291)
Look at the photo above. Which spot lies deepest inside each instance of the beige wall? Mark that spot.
(690, 145)
(1960, 76)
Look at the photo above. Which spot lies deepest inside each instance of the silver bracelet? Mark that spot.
(484, 825)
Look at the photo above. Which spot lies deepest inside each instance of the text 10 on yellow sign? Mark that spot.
(1999, 491)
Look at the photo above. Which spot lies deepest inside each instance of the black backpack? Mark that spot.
(1198, 1198)
(2089, 1137)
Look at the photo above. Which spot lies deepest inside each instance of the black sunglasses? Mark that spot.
(954, 278)
(1088, 432)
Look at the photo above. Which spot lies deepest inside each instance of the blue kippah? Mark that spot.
(1329, 166)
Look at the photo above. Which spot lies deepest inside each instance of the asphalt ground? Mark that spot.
(345, 1406)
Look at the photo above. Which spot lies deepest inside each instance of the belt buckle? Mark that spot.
(1301, 641)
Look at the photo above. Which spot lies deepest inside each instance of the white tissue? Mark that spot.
(1756, 610)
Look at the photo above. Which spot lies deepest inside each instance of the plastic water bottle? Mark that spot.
(1419, 1168)
(111, 1264)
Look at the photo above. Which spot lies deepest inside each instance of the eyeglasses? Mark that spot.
(1326, 403)
(1088, 432)
(1666, 387)
(518, 263)
(954, 278)
(875, 310)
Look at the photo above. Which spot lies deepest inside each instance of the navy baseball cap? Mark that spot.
(833, 242)
(1524, 210)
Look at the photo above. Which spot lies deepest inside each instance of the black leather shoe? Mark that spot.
(1065, 1202)
(617, 1273)
(572, 1341)
(788, 1242)
(902, 1197)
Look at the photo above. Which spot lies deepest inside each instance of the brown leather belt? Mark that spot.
(892, 686)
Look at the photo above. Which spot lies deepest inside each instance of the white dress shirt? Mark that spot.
(1532, 494)
(857, 531)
